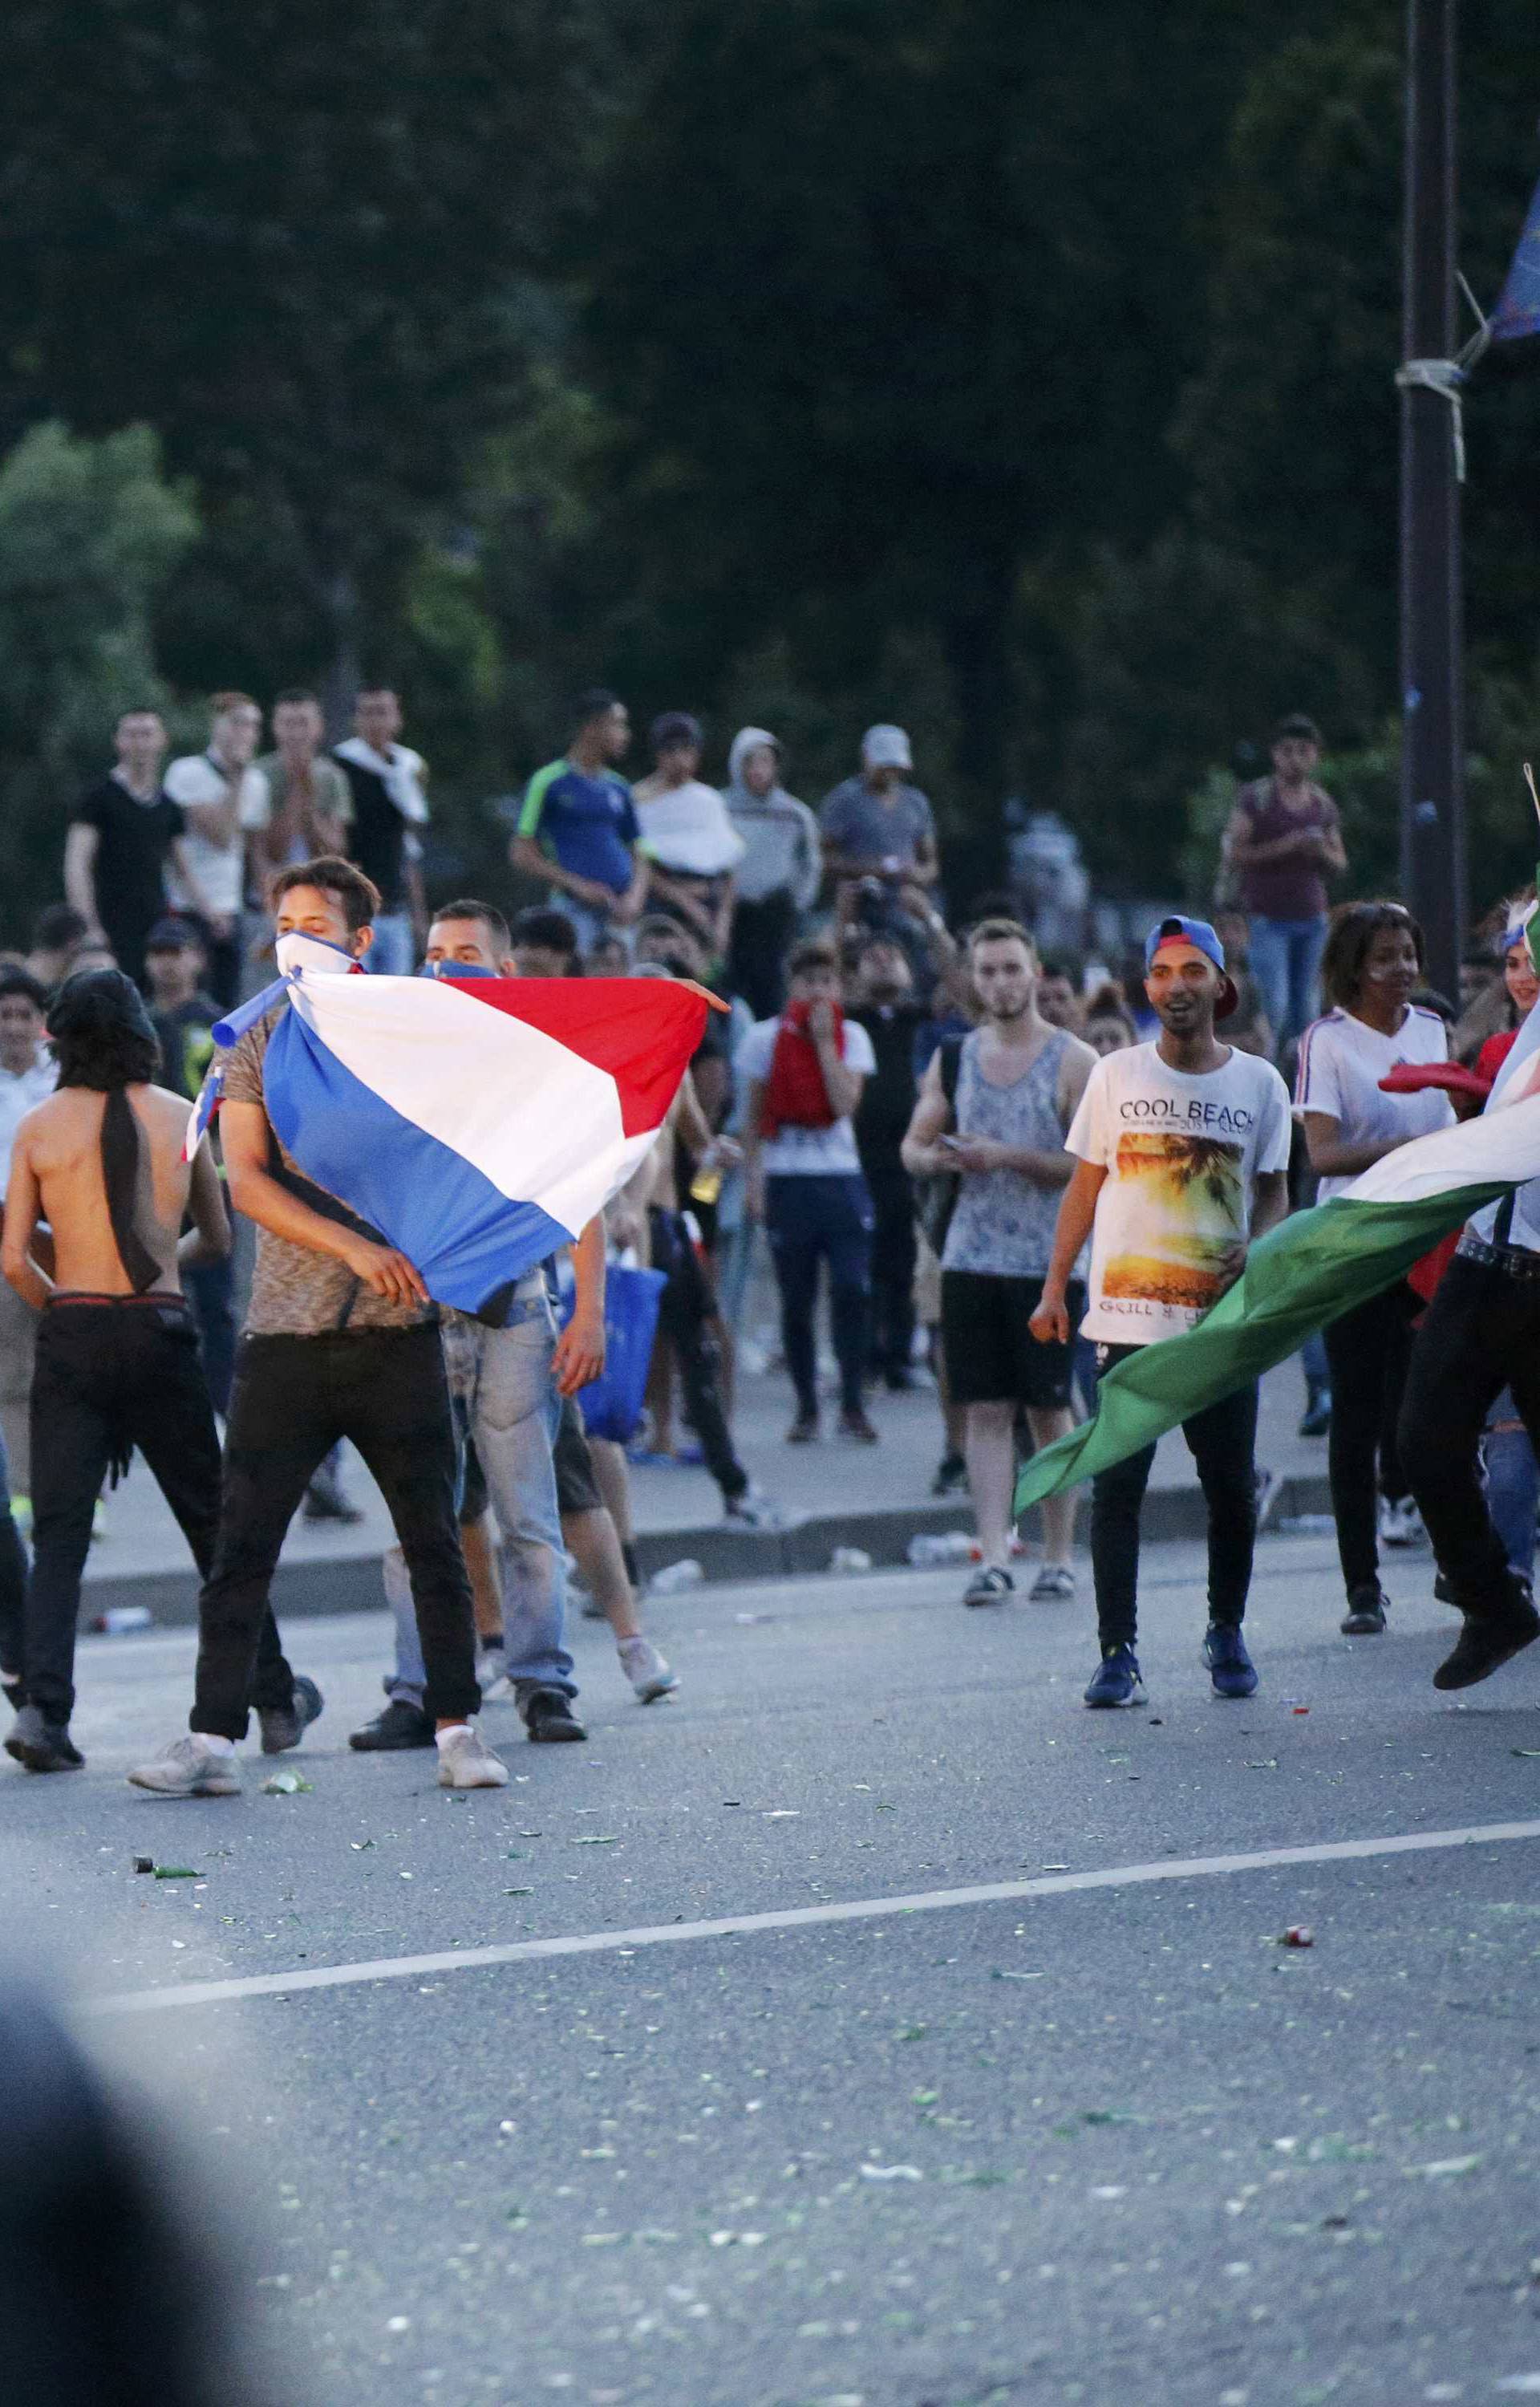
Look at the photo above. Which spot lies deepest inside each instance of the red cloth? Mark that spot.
(794, 1094)
(1415, 1077)
(1494, 1053)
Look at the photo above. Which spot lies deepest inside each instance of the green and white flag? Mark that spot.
(1307, 1271)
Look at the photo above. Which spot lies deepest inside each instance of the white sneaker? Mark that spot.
(1400, 1523)
(753, 1511)
(645, 1669)
(187, 1768)
(466, 1762)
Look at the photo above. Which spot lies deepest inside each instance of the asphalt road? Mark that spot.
(1089, 2143)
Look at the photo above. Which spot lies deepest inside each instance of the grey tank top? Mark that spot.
(1004, 1222)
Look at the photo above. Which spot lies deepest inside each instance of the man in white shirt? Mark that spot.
(221, 797)
(804, 1073)
(390, 807)
(27, 1075)
(688, 836)
(1182, 1154)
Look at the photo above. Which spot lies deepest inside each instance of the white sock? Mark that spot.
(215, 1745)
(456, 1730)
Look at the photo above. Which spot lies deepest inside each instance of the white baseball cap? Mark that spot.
(886, 747)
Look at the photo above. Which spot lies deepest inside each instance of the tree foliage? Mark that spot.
(1025, 374)
(89, 534)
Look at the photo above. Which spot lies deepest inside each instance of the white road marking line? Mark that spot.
(798, 1918)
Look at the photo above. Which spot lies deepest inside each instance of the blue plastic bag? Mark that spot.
(611, 1404)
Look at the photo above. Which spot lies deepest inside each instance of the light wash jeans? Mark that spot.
(1286, 959)
(394, 951)
(501, 1380)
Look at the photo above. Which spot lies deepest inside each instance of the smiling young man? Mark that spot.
(1181, 1149)
(341, 1341)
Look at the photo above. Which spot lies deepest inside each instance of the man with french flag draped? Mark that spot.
(401, 1144)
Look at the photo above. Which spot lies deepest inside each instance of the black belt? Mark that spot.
(1512, 1261)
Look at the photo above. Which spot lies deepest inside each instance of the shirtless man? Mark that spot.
(117, 1364)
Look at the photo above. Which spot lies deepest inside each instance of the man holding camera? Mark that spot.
(878, 826)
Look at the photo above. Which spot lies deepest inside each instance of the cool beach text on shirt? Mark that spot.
(1182, 1151)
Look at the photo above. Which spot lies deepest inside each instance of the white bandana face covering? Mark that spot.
(300, 956)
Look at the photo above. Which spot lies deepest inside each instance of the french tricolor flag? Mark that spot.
(478, 1124)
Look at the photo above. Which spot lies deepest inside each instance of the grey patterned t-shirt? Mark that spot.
(1003, 1223)
(294, 1291)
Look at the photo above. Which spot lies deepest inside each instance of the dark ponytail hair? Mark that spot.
(101, 1035)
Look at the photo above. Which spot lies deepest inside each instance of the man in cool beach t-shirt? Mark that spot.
(1182, 1148)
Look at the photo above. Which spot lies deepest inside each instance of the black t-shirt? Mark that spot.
(379, 831)
(888, 1099)
(187, 1043)
(129, 868)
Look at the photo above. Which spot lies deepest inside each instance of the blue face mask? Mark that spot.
(455, 970)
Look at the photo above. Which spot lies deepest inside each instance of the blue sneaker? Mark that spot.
(1230, 1667)
(1117, 1680)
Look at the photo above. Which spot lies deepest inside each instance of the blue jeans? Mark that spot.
(593, 927)
(1513, 1483)
(500, 1381)
(394, 951)
(1286, 959)
(812, 1217)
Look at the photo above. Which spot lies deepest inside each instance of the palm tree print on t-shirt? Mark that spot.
(1181, 1209)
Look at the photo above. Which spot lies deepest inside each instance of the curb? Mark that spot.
(351, 1583)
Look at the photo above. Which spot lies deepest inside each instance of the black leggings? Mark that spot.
(893, 1257)
(686, 1316)
(293, 1399)
(1367, 1351)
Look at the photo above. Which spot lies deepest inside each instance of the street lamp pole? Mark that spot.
(1432, 803)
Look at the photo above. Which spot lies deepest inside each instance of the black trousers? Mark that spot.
(113, 1373)
(1221, 1440)
(294, 1397)
(1481, 1333)
(762, 933)
(811, 1217)
(686, 1316)
(1367, 1351)
(894, 1250)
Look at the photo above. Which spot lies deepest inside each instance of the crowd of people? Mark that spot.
(1005, 1171)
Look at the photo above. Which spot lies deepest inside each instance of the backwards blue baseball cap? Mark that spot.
(1201, 937)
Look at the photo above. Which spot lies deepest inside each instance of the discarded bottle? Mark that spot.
(121, 1617)
(674, 1578)
(850, 1559)
(944, 1546)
